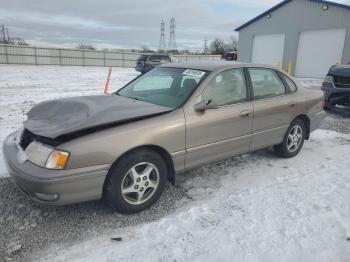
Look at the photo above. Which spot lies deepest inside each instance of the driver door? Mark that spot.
(222, 132)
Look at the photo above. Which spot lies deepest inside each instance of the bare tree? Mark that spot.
(217, 47)
(145, 49)
(233, 44)
(87, 47)
(220, 47)
(14, 41)
(18, 41)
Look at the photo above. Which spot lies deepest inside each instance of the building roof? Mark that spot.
(282, 4)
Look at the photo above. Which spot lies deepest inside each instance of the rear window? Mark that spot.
(154, 58)
(161, 58)
(142, 58)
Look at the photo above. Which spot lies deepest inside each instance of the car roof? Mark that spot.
(214, 65)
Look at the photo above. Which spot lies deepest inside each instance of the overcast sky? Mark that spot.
(126, 24)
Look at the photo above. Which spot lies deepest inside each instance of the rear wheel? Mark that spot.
(293, 140)
(136, 181)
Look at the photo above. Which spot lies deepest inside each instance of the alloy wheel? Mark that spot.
(294, 138)
(140, 183)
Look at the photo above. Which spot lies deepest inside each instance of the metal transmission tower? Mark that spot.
(4, 31)
(162, 46)
(172, 41)
(3, 34)
(206, 49)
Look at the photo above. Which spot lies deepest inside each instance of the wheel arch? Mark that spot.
(160, 150)
(306, 121)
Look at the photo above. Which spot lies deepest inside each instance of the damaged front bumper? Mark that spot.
(55, 187)
(337, 99)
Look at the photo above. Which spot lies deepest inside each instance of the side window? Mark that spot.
(290, 83)
(266, 83)
(228, 87)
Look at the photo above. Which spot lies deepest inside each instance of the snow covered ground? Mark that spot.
(312, 83)
(256, 207)
(252, 208)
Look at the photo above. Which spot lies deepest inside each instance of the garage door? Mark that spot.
(318, 50)
(268, 49)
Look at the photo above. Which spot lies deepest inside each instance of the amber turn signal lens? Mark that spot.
(57, 160)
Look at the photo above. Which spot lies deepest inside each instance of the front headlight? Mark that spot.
(57, 159)
(45, 156)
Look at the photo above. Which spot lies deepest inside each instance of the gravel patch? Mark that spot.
(336, 123)
(27, 227)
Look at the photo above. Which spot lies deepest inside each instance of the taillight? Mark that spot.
(145, 64)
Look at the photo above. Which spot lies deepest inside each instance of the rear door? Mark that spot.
(274, 107)
(215, 134)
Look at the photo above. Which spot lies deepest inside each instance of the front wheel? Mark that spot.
(136, 181)
(293, 140)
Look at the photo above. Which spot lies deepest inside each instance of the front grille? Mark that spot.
(26, 139)
(342, 82)
(339, 85)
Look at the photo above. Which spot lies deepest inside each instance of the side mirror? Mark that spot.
(205, 104)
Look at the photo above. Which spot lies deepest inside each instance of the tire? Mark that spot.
(286, 149)
(135, 182)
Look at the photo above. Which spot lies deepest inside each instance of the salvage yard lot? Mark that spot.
(255, 207)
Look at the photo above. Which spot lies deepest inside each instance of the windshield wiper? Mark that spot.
(127, 96)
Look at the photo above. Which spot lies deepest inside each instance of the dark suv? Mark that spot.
(147, 62)
(336, 87)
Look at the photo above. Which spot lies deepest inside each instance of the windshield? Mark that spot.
(164, 86)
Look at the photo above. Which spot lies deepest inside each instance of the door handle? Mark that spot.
(244, 113)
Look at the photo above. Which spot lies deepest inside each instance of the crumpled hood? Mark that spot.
(340, 70)
(55, 118)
